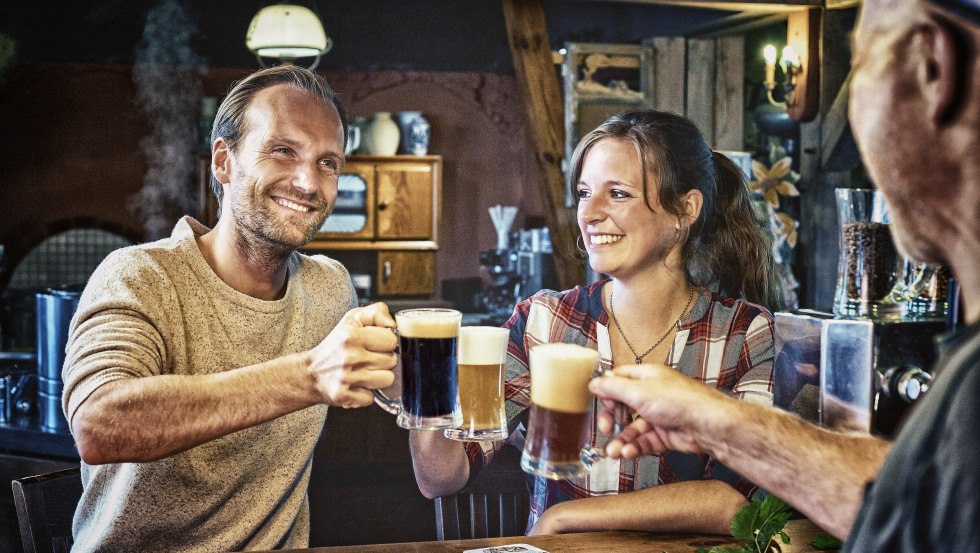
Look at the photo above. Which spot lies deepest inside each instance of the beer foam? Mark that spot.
(482, 345)
(428, 323)
(560, 375)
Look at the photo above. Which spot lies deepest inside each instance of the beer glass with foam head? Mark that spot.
(427, 340)
(481, 360)
(558, 430)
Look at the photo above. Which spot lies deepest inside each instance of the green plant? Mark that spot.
(824, 542)
(757, 524)
(7, 51)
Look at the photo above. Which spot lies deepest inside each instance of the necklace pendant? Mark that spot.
(639, 360)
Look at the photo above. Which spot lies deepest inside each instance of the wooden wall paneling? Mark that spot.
(670, 61)
(534, 71)
(700, 98)
(818, 247)
(838, 149)
(729, 93)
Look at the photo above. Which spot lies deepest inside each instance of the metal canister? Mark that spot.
(55, 308)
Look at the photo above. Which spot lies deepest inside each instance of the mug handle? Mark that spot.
(591, 455)
(391, 405)
(903, 292)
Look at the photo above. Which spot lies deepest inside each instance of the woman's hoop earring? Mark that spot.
(580, 247)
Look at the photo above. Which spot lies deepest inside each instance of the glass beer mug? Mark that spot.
(427, 345)
(481, 361)
(559, 430)
(873, 278)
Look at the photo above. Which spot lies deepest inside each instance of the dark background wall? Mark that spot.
(99, 108)
(420, 35)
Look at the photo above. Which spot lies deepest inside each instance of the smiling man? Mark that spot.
(200, 366)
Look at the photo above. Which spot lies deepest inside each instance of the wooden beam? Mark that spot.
(742, 27)
(723, 25)
(768, 6)
(818, 247)
(729, 93)
(537, 83)
(670, 61)
(838, 150)
(803, 35)
(700, 98)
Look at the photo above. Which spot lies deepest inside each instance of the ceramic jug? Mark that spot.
(382, 135)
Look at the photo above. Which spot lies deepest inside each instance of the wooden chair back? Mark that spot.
(45, 507)
(495, 504)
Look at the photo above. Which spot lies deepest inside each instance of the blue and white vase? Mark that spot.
(405, 120)
(419, 137)
(414, 133)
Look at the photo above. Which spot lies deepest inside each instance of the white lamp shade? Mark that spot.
(286, 31)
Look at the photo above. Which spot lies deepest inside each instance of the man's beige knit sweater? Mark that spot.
(158, 308)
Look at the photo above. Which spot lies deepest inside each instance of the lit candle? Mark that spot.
(789, 59)
(769, 53)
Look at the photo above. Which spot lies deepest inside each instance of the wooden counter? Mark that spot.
(801, 532)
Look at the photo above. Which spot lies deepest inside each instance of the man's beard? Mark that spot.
(265, 230)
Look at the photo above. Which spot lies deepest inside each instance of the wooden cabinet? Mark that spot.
(385, 220)
(388, 209)
(405, 273)
(399, 205)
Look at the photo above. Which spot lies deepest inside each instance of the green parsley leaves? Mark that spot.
(757, 524)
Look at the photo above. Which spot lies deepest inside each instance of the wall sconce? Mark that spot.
(800, 65)
(287, 32)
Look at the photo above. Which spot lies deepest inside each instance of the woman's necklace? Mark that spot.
(639, 358)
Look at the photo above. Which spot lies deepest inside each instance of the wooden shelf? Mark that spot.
(373, 245)
(769, 6)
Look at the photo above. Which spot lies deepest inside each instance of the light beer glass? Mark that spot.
(481, 360)
(558, 432)
(427, 340)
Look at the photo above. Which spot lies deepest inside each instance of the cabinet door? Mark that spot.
(407, 197)
(352, 217)
(406, 273)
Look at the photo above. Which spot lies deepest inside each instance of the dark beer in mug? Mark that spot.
(428, 338)
(558, 428)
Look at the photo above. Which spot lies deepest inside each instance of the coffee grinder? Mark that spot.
(516, 272)
(862, 367)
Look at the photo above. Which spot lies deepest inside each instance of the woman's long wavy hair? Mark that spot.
(724, 249)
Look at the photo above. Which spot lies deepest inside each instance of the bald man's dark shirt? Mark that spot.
(926, 496)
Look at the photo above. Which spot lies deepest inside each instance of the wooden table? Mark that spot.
(800, 532)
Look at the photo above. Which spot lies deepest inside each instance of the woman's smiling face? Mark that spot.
(624, 231)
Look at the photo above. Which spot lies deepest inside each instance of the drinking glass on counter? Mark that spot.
(558, 435)
(427, 340)
(481, 361)
(873, 278)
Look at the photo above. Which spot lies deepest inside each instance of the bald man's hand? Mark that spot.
(355, 358)
(674, 412)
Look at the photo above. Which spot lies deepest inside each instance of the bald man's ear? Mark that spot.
(945, 75)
